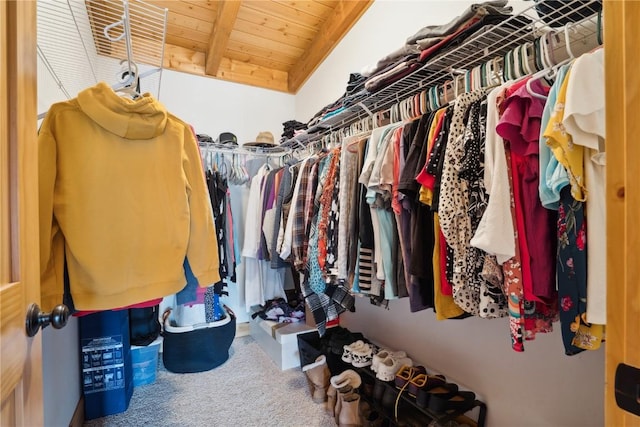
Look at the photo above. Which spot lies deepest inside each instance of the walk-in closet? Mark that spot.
(319, 213)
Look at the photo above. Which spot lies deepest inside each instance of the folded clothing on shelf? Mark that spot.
(290, 127)
(478, 10)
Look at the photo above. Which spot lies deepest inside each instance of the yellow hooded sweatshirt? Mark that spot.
(123, 199)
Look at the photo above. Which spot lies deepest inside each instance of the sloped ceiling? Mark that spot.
(271, 44)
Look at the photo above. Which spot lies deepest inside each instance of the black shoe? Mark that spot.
(379, 387)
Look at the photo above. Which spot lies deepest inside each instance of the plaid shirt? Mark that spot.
(301, 218)
(328, 305)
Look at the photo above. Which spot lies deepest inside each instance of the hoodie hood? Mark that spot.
(143, 118)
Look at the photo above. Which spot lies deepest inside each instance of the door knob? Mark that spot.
(37, 318)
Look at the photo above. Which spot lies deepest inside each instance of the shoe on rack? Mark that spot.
(362, 356)
(368, 384)
(425, 382)
(378, 390)
(341, 337)
(364, 409)
(342, 391)
(350, 349)
(388, 368)
(383, 354)
(406, 374)
(332, 396)
(374, 419)
(443, 392)
(389, 398)
(460, 402)
(318, 376)
(347, 377)
(350, 412)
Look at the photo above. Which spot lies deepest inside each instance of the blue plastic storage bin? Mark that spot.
(107, 376)
(145, 362)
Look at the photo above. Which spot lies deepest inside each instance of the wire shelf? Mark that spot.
(84, 42)
(571, 28)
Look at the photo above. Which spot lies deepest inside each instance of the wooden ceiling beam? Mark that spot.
(225, 20)
(337, 24)
(189, 61)
(183, 59)
(253, 75)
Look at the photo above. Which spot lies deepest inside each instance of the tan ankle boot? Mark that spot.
(349, 411)
(342, 391)
(332, 396)
(318, 376)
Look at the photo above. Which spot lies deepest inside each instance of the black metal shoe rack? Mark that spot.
(409, 413)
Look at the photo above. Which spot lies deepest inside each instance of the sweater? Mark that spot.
(123, 201)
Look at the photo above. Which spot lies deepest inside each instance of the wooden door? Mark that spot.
(20, 357)
(622, 50)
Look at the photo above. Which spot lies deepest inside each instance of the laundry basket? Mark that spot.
(200, 347)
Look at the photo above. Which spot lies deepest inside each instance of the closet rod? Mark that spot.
(241, 151)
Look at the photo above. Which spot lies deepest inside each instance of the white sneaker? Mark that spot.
(347, 354)
(362, 356)
(383, 354)
(389, 367)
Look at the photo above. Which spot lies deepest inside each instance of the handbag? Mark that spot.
(200, 347)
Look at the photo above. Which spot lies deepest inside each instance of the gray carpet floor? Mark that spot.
(247, 390)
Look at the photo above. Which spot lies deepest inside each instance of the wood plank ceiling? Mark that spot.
(274, 44)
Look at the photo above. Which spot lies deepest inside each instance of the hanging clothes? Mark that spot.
(495, 232)
(368, 281)
(295, 214)
(520, 126)
(315, 275)
(262, 283)
(475, 188)
(455, 223)
(347, 194)
(283, 207)
(218, 187)
(303, 213)
(573, 277)
(572, 268)
(129, 181)
(584, 119)
(326, 297)
(418, 287)
(492, 301)
(553, 175)
(377, 176)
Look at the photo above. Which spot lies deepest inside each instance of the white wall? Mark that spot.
(540, 387)
(60, 373)
(214, 106)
